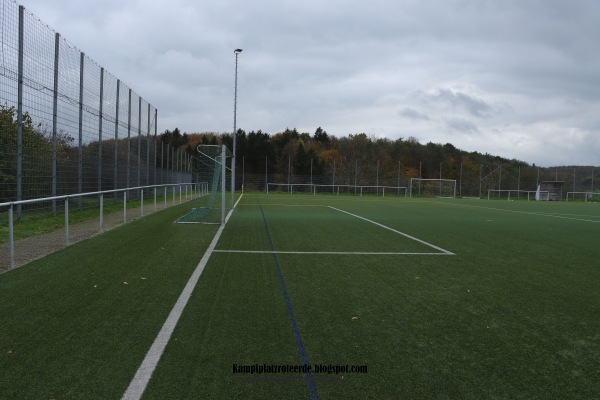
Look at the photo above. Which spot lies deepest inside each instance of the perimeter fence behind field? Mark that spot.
(489, 181)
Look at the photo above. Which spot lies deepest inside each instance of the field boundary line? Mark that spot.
(395, 231)
(138, 384)
(283, 205)
(350, 253)
(540, 214)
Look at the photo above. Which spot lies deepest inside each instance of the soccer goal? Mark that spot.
(440, 188)
(512, 194)
(291, 188)
(211, 173)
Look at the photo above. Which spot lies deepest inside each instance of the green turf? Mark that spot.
(514, 314)
(77, 324)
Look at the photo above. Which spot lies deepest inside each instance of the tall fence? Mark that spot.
(472, 180)
(67, 125)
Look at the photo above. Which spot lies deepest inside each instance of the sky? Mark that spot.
(514, 78)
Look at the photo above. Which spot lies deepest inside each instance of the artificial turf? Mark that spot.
(77, 323)
(512, 313)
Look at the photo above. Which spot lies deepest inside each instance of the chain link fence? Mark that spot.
(67, 125)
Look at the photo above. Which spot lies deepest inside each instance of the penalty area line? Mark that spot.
(138, 384)
(395, 231)
(342, 253)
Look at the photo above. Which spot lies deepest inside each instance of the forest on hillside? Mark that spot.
(367, 158)
(50, 164)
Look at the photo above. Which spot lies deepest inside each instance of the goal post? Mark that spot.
(210, 171)
(440, 188)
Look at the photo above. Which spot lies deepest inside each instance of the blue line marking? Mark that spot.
(312, 387)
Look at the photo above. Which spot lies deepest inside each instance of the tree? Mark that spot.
(321, 137)
(174, 138)
(37, 155)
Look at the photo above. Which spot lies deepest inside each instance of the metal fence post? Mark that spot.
(100, 118)
(20, 113)
(80, 142)
(116, 150)
(11, 237)
(129, 141)
(155, 144)
(55, 117)
(148, 149)
(139, 143)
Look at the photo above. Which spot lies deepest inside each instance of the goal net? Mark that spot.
(211, 175)
(440, 188)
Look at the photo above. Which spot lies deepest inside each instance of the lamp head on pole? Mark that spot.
(237, 51)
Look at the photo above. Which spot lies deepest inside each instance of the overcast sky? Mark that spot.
(519, 79)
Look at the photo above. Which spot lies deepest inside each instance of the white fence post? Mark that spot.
(101, 212)
(67, 221)
(11, 237)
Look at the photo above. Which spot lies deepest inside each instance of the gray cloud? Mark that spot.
(412, 114)
(526, 68)
(457, 100)
(461, 125)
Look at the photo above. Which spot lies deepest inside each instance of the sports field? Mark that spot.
(384, 298)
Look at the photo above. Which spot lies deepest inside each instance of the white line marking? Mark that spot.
(282, 205)
(395, 231)
(144, 373)
(384, 253)
(540, 214)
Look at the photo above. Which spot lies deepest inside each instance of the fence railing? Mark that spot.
(583, 196)
(177, 190)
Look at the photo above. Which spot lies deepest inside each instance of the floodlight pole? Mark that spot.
(237, 52)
